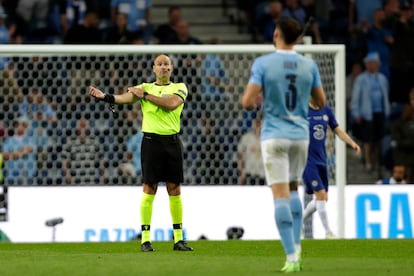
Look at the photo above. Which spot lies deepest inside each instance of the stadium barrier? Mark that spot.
(99, 214)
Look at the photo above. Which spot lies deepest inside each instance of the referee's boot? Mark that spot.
(147, 247)
(182, 246)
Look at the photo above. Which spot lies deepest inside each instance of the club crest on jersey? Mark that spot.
(318, 132)
(325, 117)
(314, 183)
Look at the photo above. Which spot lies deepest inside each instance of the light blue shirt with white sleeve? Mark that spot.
(287, 79)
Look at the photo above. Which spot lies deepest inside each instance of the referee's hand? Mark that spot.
(96, 93)
(138, 92)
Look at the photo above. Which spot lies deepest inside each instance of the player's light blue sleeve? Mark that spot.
(257, 73)
(316, 76)
(332, 119)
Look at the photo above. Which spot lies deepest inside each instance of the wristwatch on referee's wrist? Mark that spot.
(145, 94)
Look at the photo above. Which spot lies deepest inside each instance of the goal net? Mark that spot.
(46, 87)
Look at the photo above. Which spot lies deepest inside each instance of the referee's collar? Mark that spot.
(163, 84)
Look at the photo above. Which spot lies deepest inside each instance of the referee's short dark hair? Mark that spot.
(290, 28)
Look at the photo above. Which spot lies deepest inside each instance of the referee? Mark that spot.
(162, 103)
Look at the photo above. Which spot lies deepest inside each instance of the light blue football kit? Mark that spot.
(287, 79)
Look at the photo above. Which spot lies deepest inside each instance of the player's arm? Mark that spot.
(318, 96)
(347, 139)
(17, 154)
(251, 96)
(124, 98)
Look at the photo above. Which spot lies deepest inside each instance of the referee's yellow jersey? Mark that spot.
(156, 119)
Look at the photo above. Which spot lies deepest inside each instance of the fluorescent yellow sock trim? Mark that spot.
(145, 236)
(146, 215)
(176, 210)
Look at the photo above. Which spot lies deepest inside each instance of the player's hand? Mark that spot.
(96, 93)
(356, 148)
(138, 92)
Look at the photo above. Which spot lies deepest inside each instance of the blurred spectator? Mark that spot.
(370, 109)
(380, 39)
(338, 21)
(392, 13)
(4, 36)
(35, 107)
(215, 81)
(119, 33)
(42, 118)
(165, 33)
(361, 13)
(397, 177)
(132, 166)
(183, 34)
(249, 156)
(138, 12)
(356, 69)
(103, 8)
(319, 12)
(75, 13)
(249, 13)
(82, 158)
(33, 18)
(402, 138)
(12, 20)
(402, 56)
(57, 20)
(20, 149)
(85, 33)
(294, 10)
(267, 23)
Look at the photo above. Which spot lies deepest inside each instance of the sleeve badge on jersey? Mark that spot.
(183, 92)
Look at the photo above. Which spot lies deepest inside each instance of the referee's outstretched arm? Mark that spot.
(124, 98)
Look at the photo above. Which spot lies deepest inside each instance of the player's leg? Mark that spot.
(147, 201)
(173, 171)
(297, 214)
(309, 209)
(321, 197)
(297, 161)
(310, 180)
(151, 153)
(321, 210)
(277, 176)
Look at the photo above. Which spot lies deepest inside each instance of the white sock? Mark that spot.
(321, 209)
(309, 210)
(292, 257)
(298, 248)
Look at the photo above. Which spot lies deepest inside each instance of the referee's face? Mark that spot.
(162, 67)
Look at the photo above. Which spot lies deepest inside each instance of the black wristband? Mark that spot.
(145, 94)
(109, 98)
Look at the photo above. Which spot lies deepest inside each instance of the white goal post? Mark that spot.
(337, 52)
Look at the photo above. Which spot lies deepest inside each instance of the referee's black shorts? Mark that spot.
(162, 158)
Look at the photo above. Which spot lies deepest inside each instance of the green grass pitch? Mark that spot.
(235, 257)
